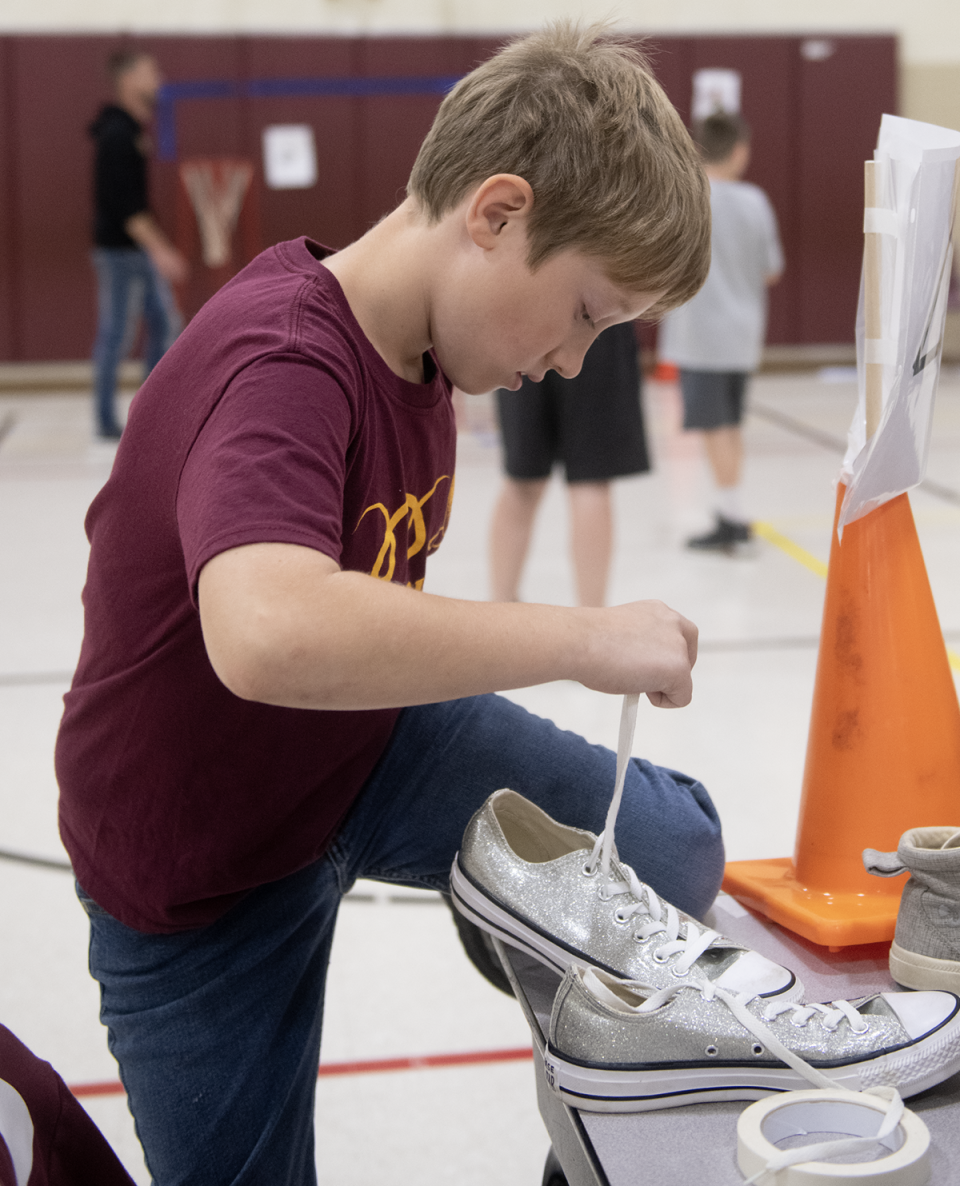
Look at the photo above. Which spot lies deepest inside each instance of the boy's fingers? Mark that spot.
(692, 635)
(646, 647)
(676, 698)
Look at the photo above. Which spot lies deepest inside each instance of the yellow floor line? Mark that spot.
(768, 532)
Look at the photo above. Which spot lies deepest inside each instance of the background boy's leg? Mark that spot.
(444, 760)
(591, 539)
(713, 405)
(217, 1033)
(510, 530)
(724, 448)
(527, 420)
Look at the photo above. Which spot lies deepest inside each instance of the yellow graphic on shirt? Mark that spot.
(411, 513)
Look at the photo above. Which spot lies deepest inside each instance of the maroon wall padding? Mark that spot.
(329, 211)
(53, 85)
(9, 344)
(814, 123)
(840, 100)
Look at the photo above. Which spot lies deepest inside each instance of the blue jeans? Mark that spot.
(217, 1030)
(128, 285)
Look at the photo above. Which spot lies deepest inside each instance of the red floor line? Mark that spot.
(364, 1067)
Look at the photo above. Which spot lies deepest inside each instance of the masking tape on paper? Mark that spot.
(796, 1113)
(881, 350)
(880, 222)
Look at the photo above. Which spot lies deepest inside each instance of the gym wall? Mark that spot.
(815, 117)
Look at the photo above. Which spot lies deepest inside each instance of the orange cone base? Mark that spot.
(830, 919)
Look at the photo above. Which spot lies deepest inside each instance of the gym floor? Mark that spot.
(400, 986)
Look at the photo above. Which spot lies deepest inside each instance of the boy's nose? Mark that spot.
(567, 360)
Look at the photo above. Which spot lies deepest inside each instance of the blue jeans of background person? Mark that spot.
(128, 286)
(217, 1030)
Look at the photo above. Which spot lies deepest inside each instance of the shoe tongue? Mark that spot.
(613, 1000)
(749, 972)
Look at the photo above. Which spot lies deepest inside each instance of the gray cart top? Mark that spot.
(697, 1143)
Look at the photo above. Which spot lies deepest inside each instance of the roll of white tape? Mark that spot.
(797, 1113)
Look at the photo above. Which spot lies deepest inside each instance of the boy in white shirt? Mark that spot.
(717, 337)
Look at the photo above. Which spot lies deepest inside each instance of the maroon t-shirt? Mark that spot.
(46, 1138)
(272, 418)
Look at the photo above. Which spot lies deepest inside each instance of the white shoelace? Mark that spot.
(693, 944)
(686, 939)
(628, 726)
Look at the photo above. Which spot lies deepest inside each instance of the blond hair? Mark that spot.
(614, 172)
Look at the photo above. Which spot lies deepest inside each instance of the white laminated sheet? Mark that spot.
(914, 217)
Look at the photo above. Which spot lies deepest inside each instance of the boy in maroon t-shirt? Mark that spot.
(267, 705)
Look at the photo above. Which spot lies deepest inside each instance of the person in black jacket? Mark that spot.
(135, 261)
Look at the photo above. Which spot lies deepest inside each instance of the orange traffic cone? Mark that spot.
(883, 753)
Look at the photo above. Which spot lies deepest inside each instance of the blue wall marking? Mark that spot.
(173, 92)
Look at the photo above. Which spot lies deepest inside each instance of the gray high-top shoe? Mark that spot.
(926, 947)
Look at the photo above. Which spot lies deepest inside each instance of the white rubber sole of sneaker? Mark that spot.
(602, 1089)
(913, 970)
(478, 908)
(474, 904)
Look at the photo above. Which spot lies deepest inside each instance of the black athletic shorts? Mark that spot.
(712, 399)
(592, 423)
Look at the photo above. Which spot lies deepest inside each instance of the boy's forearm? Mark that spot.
(392, 646)
(343, 640)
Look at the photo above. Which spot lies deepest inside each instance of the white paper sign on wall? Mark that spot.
(716, 90)
(289, 156)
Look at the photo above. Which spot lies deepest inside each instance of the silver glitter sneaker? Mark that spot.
(619, 1046)
(540, 886)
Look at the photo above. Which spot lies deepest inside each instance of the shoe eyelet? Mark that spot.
(620, 917)
(587, 871)
(660, 959)
(757, 1050)
(711, 1051)
(603, 896)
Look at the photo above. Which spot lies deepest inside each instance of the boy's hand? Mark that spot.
(641, 647)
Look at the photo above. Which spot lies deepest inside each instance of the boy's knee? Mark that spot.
(675, 839)
(706, 862)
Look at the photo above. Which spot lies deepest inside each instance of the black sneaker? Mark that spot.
(724, 537)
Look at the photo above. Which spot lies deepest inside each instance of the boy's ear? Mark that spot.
(501, 202)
